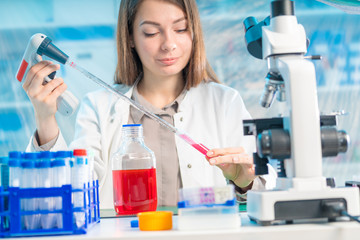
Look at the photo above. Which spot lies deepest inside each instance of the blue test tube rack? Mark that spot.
(11, 225)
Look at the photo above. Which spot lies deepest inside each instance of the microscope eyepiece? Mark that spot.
(253, 35)
(249, 22)
(282, 7)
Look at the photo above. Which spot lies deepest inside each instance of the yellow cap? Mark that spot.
(155, 221)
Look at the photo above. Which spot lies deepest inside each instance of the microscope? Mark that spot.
(300, 139)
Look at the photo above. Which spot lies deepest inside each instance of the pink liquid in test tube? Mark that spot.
(198, 146)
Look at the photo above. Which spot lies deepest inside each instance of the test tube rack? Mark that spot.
(11, 213)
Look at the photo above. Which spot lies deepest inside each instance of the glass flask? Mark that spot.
(134, 173)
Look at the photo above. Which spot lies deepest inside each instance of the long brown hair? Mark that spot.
(129, 65)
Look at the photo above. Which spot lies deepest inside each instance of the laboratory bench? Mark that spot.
(111, 227)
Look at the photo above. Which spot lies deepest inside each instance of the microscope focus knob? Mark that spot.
(275, 143)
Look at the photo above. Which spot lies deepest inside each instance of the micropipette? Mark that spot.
(198, 146)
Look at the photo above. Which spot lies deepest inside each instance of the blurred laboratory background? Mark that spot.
(85, 30)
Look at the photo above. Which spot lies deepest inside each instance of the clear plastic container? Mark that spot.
(79, 180)
(30, 180)
(67, 156)
(45, 181)
(134, 173)
(210, 196)
(208, 208)
(60, 170)
(15, 159)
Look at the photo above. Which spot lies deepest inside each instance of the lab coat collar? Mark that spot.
(120, 105)
(188, 99)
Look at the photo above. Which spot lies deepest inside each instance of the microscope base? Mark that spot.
(268, 207)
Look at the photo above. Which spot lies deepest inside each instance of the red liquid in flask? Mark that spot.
(134, 191)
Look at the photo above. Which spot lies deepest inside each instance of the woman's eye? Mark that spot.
(181, 30)
(149, 34)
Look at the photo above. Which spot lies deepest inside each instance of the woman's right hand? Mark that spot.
(43, 98)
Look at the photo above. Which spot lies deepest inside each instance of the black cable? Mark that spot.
(345, 213)
(337, 208)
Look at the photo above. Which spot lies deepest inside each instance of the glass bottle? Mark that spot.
(134, 173)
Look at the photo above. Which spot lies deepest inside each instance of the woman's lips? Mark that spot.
(168, 61)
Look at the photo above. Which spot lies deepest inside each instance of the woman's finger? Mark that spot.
(241, 158)
(58, 91)
(36, 84)
(50, 88)
(31, 73)
(224, 151)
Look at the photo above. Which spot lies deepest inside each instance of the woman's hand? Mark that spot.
(235, 164)
(43, 98)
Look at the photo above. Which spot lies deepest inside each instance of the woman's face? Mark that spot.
(161, 38)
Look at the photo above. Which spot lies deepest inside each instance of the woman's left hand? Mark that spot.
(235, 164)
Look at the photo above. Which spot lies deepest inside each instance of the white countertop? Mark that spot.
(119, 228)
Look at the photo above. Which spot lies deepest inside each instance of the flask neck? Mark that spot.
(133, 132)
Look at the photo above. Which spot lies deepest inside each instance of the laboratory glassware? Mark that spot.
(45, 181)
(30, 180)
(134, 173)
(79, 180)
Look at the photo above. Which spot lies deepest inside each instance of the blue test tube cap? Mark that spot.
(31, 155)
(131, 125)
(58, 163)
(14, 163)
(15, 158)
(30, 159)
(64, 154)
(15, 154)
(44, 164)
(47, 154)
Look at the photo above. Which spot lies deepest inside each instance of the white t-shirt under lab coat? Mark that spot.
(210, 113)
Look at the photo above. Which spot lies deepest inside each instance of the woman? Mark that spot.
(161, 55)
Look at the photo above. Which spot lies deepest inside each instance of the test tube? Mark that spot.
(15, 159)
(91, 176)
(60, 170)
(30, 180)
(45, 181)
(79, 180)
(90, 157)
(67, 157)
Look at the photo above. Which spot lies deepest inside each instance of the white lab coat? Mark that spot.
(211, 114)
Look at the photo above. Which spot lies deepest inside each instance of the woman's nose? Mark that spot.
(169, 43)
